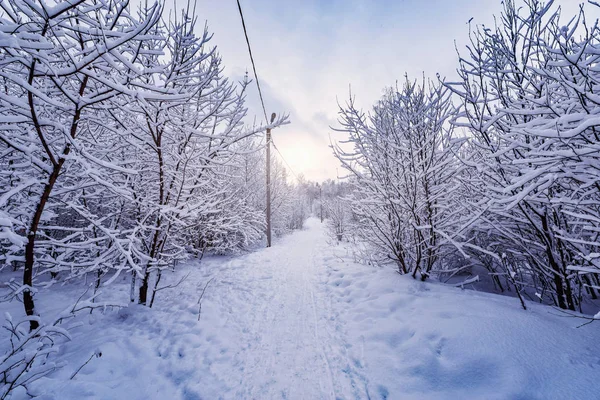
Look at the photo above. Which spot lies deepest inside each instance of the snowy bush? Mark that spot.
(403, 166)
(120, 140)
(339, 218)
(508, 180)
(528, 91)
(28, 354)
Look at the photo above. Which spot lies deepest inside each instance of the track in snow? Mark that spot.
(290, 349)
(267, 330)
(300, 320)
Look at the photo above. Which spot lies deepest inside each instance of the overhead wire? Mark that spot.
(284, 160)
(262, 102)
(252, 61)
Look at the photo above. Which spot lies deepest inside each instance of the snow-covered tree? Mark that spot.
(186, 148)
(403, 164)
(528, 90)
(63, 65)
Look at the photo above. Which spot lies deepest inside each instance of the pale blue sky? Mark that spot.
(309, 52)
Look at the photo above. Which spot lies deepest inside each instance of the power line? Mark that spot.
(262, 102)
(269, 139)
(285, 161)
(252, 60)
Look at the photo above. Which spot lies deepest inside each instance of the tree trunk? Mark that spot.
(57, 166)
(144, 288)
(132, 288)
(30, 247)
(156, 282)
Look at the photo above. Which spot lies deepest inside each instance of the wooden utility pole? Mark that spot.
(269, 182)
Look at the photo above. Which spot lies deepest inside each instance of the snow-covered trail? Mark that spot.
(289, 348)
(301, 320)
(285, 340)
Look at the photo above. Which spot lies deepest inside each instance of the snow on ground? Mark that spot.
(300, 320)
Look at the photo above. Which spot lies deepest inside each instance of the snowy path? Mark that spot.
(288, 348)
(300, 320)
(288, 342)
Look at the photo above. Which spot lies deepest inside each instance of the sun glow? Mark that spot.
(299, 154)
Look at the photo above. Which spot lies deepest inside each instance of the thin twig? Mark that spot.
(571, 315)
(201, 295)
(173, 285)
(85, 363)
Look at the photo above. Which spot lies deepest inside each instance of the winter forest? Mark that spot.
(156, 243)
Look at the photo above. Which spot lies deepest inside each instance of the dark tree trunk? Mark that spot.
(144, 289)
(30, 247)
(158, 276)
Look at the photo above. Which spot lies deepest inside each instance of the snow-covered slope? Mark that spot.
(302, 321)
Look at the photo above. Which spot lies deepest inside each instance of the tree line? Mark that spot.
(497, 171)
(123, 148)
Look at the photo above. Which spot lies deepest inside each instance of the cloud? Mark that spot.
(309, 52)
